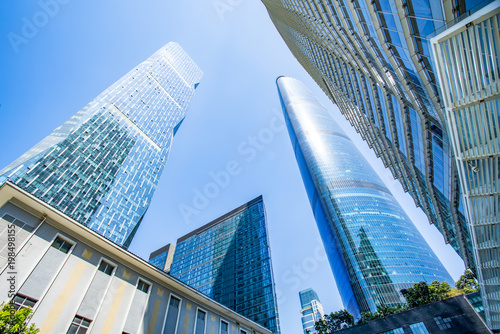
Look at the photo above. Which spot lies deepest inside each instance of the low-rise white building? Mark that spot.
(76, 281)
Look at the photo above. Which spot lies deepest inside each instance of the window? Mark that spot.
(143, 286)
(399, 330)
(62, 245)
(18, 222)
(106, 268)
(8, 218)
(419, 328)
(200, 322)
(242, 331)
(21, 301)
(443, 323)
(80, 325)
(224, 326)
(172, 315)
(174, 302)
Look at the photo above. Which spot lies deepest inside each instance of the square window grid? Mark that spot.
(106, 268)
(62, 245)
(443, 323)
(20, 301)
(80, 325)
(143, 286)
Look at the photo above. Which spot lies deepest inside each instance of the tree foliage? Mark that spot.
(423, 293)
(16, 322)
(334, 322)
(382, 312)
(418, 295)
(343, 319)
(467, 282)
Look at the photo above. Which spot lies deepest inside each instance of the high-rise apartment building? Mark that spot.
(311, 310)
(373, 59)
(467, 56)
(373, 248)
(102, 166)
(229, 260)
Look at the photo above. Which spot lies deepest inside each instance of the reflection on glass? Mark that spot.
(372, 246)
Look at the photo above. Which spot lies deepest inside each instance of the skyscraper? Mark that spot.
(102, 166)
(419, 81)
(467, 57)
(311, 310)
(163, 257)
(373, 248)
(229, 260)
(373, 60)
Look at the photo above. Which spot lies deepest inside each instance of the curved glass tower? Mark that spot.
(373, 60)
(102, 166)
(373, 248)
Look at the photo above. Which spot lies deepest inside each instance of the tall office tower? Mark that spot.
(373, 59)
(373, 248)
(163, 257)
(102, 166)
(467, 58)
(311, 310)
(229, 260)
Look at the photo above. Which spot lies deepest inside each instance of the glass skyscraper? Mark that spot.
(229, 260)
(467, 56)
(311, 310)
(373, 248)
(373, 59)
(162, 258)
(102, 166)
(418, 79)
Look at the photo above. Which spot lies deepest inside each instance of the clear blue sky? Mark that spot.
(84, 46)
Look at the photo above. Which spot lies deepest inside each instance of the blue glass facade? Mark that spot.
(372, 246)
(162, 258)
(159, 260)
(311, 310)
(229, 260)
(307, 296)
(102, 166)
(467, 55)
(373, 59)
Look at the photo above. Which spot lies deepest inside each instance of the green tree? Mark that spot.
(439, 291)
(421, 293)
(334, 322)
(382, 312)
(367, 316)
(16, 322)
(417, 295)
(321, 327)
(343, 319)
(467, 282)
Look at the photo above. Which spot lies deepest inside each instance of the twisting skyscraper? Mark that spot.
(373, 248)
(102, 166)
